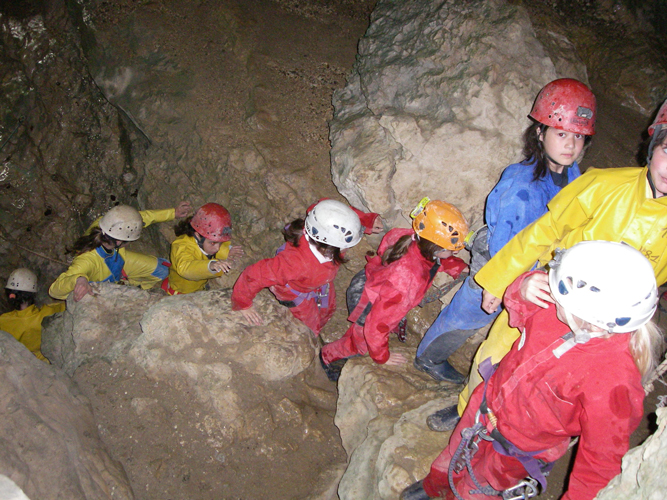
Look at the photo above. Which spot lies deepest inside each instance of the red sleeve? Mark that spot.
(453, 266)
(367, 219)
(262, 274)
(519, 310)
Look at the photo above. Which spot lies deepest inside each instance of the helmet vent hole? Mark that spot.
(562, 289)
(594, 289)
(455, 241)
(581, 284)
(622, 321)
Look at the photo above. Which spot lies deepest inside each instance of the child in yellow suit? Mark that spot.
(24, 323)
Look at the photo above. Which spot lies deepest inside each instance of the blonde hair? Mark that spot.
(646, 347)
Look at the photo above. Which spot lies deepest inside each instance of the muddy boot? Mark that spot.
(414, 492)
(332, 369)
(443, 420)
(443, 372)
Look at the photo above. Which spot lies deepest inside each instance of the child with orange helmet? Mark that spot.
(562, 123)
(202, 250)
(396, 280)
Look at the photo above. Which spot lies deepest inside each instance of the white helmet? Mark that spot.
(334, 223)
(610, 285)
(122, 223)
(22, 279)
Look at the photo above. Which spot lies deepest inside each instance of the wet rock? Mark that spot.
(437, 103)
(50, 445)
(643, 468)
(381, 416)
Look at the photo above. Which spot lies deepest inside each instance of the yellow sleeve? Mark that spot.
(567, 210)
(89, 265)
(50, 309)
(223, 253)
(148, 216)
(188, 262)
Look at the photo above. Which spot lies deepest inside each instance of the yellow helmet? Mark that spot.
(441, 223)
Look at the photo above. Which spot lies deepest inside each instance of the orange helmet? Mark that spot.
(566, 104)
(441, 223)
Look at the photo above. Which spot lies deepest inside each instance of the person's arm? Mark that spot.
(82, 266)
(453, 266)
(611, 413)
(518, 308)
(186, 264)
(265, 273)
(567, 210)
(371, 221)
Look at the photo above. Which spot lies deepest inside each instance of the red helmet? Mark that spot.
(660, 119)
(566, 104)
(213, 222)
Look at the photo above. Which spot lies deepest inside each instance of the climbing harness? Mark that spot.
(469, 445)
(321, 296)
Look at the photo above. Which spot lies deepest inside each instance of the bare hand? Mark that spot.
(252, 316)
(220, 265)
(82, 288)
(535, 289)
(378, 225)
(235, 251)
(490, 303)
(395, 359)
(182, 210)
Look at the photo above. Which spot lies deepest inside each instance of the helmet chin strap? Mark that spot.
(582, 335)
(555, 162)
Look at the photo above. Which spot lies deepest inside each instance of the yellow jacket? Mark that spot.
(189, 265)
(612, 204)
(148, 216)
(26, 326)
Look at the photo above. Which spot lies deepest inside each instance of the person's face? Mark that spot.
(562, 147)
(445, 254)
(211, 247)
(658, 169)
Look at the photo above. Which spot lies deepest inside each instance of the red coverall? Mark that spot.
(299, 269)
(393, 290)
(593, 391)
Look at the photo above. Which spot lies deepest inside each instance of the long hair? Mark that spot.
(427, 248)
(646, 347)
(292, 233)
(90, 241)
(20, 297)
(533, 149)
(184, 227)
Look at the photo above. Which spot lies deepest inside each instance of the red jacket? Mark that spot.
(298, 268)
(593, 391)
(395, 289)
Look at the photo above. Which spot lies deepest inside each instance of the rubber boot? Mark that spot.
(333, 369)
(414, 492)
(443, 372)
(444, 420)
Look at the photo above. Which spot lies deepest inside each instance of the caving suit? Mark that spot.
(391, 290)
(189, 271)
(593, 391)
(101, 265)
(516, 201)
(26, 325)
(613, 204)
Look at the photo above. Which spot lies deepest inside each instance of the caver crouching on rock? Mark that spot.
(202, 250)
(24, 323)
(626, 205)
(563, 121)
(302, 272)
(100, 254)
(395, 281)
(576, 371)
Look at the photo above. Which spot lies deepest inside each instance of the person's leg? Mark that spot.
(334, 355)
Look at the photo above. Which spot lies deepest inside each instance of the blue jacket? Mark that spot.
(517, 201)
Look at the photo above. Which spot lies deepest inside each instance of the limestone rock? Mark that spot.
(643, 469)
(100, 326)
(50, 445)
(437, 103)
(381, 416)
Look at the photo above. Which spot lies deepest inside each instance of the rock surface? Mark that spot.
(437, 103)
(50, 445)
(381, 416)
(188, 396)
(643, 469)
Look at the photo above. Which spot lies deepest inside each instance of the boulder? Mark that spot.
(643, 469)
(381, 416)
(50, 447)
(437, 103)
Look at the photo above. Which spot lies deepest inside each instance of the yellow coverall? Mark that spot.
(26, 325)
(189, 265)
(138, 267)
(613, 204)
